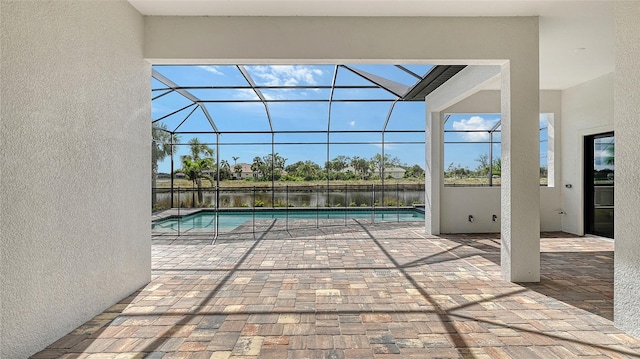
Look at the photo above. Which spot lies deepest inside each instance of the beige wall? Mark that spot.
(75, 129)
(627, 191)
(340, 39)
(457, 203)
(586, 109)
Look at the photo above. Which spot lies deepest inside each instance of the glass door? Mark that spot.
(599, 184)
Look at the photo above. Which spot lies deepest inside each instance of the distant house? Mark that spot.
(210, 173)
(394, 172)
(245, 173)
(180, 175)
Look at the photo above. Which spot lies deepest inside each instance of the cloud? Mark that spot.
(213, 69)
(279, 95)
(245, 94)
(352, 123)
(285, 75)
(472, 124)
(387, 146)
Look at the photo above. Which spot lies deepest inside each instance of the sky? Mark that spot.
(238, 116)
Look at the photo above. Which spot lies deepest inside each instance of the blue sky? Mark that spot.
(310, 116)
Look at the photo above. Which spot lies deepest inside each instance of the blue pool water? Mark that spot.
(205, 221)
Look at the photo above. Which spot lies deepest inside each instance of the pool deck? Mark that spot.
(383, 290)
(174, 213)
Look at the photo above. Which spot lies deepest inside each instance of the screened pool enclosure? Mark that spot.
(267, 140)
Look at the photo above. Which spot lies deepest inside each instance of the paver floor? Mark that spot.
(359, 291)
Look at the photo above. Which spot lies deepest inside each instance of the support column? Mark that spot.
(433, 172)
(626, 296)
(520, 192)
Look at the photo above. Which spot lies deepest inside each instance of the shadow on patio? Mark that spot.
(360, 291)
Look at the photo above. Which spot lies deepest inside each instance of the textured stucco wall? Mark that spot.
(75, 173)
(627, 192)
(457, 203)
(586, 109)
(343, 39)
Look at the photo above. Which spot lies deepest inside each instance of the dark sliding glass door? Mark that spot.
(599, 183)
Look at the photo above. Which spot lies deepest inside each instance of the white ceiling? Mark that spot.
(576, 37)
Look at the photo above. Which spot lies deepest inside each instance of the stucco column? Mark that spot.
(626, 296)
(520, 192)
(433, 172)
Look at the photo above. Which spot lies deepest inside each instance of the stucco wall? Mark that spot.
(75, 131)
(586, 109)
(627, 192)
(482, 202)
(340, 39)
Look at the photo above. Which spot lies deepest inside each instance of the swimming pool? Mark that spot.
(204, 221)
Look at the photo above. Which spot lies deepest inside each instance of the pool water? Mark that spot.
(229, 221)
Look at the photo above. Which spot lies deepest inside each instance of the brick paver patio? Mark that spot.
(359, 291)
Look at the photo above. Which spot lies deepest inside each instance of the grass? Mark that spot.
(183, 183)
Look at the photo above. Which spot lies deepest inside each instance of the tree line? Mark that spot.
(482, 170)
(199, 164)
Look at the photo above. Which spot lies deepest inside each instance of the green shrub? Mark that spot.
(259, 203)
(352, 204)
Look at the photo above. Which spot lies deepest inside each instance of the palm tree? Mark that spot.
(256, 166)
(238, 171)
(161, 147)
(235, 158)
(194, 171)
(194, 166)
(225, 169)
(609, 158)
(198, 149)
